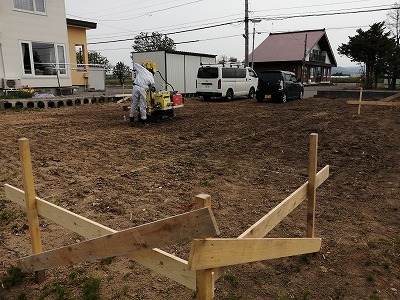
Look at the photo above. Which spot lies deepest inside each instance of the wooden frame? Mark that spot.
(207, 257)
(388, 101)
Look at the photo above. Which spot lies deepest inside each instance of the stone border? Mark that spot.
(55, 102)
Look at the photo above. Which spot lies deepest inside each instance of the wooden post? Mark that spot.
(312, 187)
(204, 278)
(30, 200)
(359, 105)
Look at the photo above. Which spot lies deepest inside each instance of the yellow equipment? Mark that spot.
(161, 103)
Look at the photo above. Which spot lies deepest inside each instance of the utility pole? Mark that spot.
(246, 32)
(303, 69)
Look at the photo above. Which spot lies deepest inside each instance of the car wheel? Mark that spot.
(301, 95)
(252, 93)
(229, 95)
(284, 98)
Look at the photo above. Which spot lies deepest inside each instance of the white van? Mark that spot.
(228, 82)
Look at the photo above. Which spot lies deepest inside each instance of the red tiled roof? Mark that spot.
(287, 46)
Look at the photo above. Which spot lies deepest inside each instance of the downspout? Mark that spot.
(2, 60)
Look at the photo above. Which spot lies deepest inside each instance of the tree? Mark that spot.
(393, 23)
(121, 71)
(153, 42)
(223, 59)
(97, 59)
(370, 47)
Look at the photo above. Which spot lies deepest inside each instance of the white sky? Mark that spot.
(124, 19)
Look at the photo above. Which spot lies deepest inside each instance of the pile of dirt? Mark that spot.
(248, 156)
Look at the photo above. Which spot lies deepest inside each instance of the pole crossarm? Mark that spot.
(279, 212)
(158, 260)
(212, 253)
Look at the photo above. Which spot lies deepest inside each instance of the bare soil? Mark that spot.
(249, 157)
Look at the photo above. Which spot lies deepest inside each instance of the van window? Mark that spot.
(252, 73)
(287, 77)
(228, 73)
(207, 72)
(240, 73)
(270, 76)
(233, 73)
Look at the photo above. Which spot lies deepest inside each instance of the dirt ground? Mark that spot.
(249, 157)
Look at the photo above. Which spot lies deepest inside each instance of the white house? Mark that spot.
(37, 45)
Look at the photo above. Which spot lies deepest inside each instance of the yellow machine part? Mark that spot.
(161, 100)
(150, 65)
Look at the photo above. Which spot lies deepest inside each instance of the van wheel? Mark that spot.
(229, 95)
(252, 93)
(284, 98)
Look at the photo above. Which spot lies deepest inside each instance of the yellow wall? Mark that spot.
(77, 36)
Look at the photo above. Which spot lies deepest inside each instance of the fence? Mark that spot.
(208, 256)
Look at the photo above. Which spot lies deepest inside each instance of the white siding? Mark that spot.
(158, 57)
(17, 26)
(178, 69)
(192, 64)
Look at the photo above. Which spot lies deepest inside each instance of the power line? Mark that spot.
(170, 33)
(150, 13)
(263, 18)
(323, 14)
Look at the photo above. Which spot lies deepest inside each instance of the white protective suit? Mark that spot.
(142, 82)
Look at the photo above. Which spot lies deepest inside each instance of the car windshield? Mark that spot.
(270, 76)
(207, 72)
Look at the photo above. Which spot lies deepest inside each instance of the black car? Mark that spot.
(278, 85)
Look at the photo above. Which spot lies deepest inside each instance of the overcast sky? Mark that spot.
(124, 19)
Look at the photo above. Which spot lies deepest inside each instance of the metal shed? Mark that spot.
(179, 69)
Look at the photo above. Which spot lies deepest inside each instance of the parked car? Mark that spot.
(279, 85)
(224, 81)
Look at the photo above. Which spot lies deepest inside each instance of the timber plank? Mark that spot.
(158, 260)
(211, 253)
(169, 231)
(279, 212)
(374, 103)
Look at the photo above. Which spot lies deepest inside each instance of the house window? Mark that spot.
(43, 58)
(37, 6)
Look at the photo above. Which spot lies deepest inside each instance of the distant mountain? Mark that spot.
(346, 70)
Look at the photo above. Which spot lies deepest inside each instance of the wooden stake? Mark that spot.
(204, 284)
(202, 200)
(30, 199)
(204, 278)
(312, 187)
(359, 105)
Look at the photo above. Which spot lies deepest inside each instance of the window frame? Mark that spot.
(35, 9)
(58, 63)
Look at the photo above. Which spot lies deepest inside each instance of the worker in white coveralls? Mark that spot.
(143, 81)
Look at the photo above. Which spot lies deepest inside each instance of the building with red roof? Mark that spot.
(306, 53)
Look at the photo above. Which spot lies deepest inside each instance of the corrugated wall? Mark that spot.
(178, 69)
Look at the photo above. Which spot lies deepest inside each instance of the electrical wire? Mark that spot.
(263, 18)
